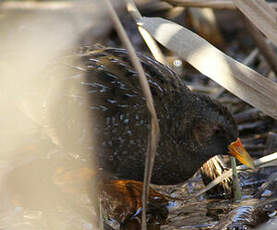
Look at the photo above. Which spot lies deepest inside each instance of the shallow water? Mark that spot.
(69, 209)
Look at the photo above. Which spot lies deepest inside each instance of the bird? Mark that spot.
(102, 83)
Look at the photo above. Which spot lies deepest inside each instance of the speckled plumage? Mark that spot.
(193, 127)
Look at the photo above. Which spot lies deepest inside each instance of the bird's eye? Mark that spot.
(217, 131)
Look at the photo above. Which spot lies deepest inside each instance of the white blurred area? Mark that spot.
(32, 38)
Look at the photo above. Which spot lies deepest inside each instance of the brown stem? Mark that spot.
(154, 134)
(262, 45)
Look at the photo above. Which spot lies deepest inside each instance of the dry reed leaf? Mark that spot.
(262, 15)
(154, 134)
(215, 4)
(240, 80)
(266, 161)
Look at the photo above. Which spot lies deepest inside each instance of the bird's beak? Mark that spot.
(238, 151)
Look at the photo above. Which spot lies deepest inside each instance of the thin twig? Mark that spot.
(47, 6)
(215, 4)
(153, 137)
(34, 5)
(150, 42)
(101, 216)
(133, 10)
(247, 115)
(251, 57)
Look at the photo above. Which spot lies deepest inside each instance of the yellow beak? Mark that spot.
(238, 151)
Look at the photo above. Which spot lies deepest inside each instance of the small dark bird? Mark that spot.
(105, 86)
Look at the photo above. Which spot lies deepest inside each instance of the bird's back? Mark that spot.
(97, 108)
(104, 86)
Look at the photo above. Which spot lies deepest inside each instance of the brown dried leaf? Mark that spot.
(242, 81)
(262, 15)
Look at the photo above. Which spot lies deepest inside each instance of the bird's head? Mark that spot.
(216, 132)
